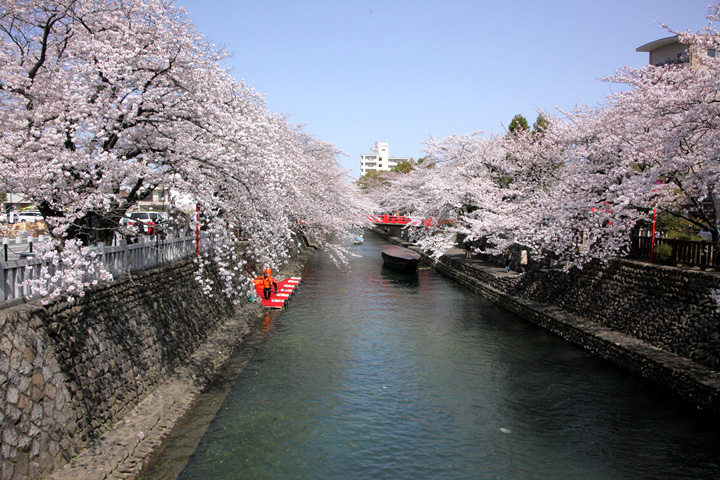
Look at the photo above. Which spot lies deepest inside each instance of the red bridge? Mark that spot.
(389, 219)
(400, 220)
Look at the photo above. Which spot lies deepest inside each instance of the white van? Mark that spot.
(30, 216)
(136, 218)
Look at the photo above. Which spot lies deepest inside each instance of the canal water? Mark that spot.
(371, 374)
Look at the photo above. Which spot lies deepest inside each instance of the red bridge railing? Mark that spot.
(402, 220)
(389, 219)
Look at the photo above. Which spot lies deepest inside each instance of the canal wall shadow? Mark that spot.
(658, 322)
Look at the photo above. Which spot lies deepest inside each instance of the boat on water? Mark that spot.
(400, 258)
(359, 240)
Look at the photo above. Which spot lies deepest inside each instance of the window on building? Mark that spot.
(712, 53)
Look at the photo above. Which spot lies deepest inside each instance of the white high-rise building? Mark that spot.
(380, 159)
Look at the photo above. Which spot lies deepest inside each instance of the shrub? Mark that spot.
(663, 254)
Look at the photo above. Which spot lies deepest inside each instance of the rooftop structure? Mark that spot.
(671, 50)
(380, 160)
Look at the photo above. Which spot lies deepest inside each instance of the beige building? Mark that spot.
(15, 202)
(671, 51)
(158, 201)
(380, 160)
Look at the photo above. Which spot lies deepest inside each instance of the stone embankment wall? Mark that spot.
(69, 371)
(669, 308)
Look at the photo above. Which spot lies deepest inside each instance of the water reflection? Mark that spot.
(393, 277)
(267, 324)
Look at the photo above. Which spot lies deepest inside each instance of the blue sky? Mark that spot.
(357, 71)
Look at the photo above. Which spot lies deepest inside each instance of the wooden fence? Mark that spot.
(683, 252)
(117, 260)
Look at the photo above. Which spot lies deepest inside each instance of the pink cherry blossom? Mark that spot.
(103, 102)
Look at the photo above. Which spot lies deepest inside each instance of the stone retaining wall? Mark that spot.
(69, 371)
(669, 308)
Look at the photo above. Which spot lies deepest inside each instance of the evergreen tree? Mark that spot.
(540, 125)
(518, 123)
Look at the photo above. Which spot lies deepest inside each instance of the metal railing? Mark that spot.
(117, 259)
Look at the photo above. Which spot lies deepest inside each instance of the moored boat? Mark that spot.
(400, 258)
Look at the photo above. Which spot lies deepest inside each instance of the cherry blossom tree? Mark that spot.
(93, 94)
(465, 186)
(103, 102)
(570, 207)
(575, 188)
(666, 130)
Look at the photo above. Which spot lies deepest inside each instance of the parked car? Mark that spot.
(140, 217)
(30, 216)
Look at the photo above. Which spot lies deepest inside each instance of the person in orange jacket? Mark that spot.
(268, 282)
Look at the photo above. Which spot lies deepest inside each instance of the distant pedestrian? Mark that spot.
(468, 248)
(523, 260)
(151, 229)
(506, 259)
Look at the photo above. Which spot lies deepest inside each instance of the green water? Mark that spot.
(371, 374)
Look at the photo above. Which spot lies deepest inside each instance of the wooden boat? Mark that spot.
(400, 258)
